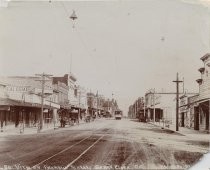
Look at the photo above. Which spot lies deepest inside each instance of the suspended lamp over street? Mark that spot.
(73, 17)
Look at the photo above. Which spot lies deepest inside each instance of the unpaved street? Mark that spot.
(105, 143)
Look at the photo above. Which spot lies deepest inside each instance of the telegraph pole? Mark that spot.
(154, 106)
(177, 81)
(144, 107)
(79, 111)
(43, 80)
(97, 103)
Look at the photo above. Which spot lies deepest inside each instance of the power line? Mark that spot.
(67, 13)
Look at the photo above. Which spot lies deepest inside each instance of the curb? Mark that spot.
(46, 130)
(175, 132)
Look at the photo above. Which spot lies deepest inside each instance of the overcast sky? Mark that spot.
(119, 47)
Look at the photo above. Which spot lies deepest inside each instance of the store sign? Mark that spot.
(183, 109)
(183, 101)
(193, 99)
(157, 99)
(17, 88)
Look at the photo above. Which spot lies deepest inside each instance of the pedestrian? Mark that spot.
(64, 121)
(61, 121)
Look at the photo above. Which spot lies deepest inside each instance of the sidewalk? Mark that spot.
(183, 131)
(11, 130)
(26, 130)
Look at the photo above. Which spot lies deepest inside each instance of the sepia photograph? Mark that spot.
(104, 84)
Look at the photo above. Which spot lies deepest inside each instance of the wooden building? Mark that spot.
(20, 102)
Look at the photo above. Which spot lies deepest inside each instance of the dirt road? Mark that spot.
(103, 144)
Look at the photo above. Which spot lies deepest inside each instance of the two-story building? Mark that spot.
(81, 101)
(200, 105)
(136, 110)
(92, 104)
(20, 101)
(153, 110)
(70, 106)
(194, 110)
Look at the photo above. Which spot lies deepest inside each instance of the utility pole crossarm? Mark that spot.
(178, 81)
(171, 92)
(46, 75)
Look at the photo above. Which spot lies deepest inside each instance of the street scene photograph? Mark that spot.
(95, 85)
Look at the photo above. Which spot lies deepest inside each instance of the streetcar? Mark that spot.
(118, 114)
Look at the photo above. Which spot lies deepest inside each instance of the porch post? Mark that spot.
(54, 117)
(209, 118)
(2, 121)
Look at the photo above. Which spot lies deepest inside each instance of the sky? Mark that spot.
(122, 48)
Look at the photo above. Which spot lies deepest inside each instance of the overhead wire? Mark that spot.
(67, 15)
(50, 55)
(77, 32)
(62, 3)
(82, 40)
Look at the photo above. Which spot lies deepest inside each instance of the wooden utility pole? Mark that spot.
(154, 106)
(177, 81)
(144, 102)
(43, 80)
(97, 103)
(79, 111)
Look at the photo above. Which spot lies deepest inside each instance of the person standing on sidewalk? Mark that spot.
(61, 121)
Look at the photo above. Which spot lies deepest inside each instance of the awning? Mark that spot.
(7, 102)
(10, 102)
(5, 108)
(67, 107)
(197, 102)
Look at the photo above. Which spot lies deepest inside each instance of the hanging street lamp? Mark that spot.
(73, 17)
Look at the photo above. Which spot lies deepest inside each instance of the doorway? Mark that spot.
(182, 119)
(196, 118)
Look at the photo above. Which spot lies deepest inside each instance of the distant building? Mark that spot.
(91, 103)
(186, 114)
(98, 106)
(70, 81)
(73, 98)
(82, 101)
(163, 105)
(136, 109)
(152, 107)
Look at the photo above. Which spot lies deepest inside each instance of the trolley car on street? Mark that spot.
(118, 114)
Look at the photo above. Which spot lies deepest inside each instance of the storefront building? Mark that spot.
(20, 102)
(199, 105)
(152, 108)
